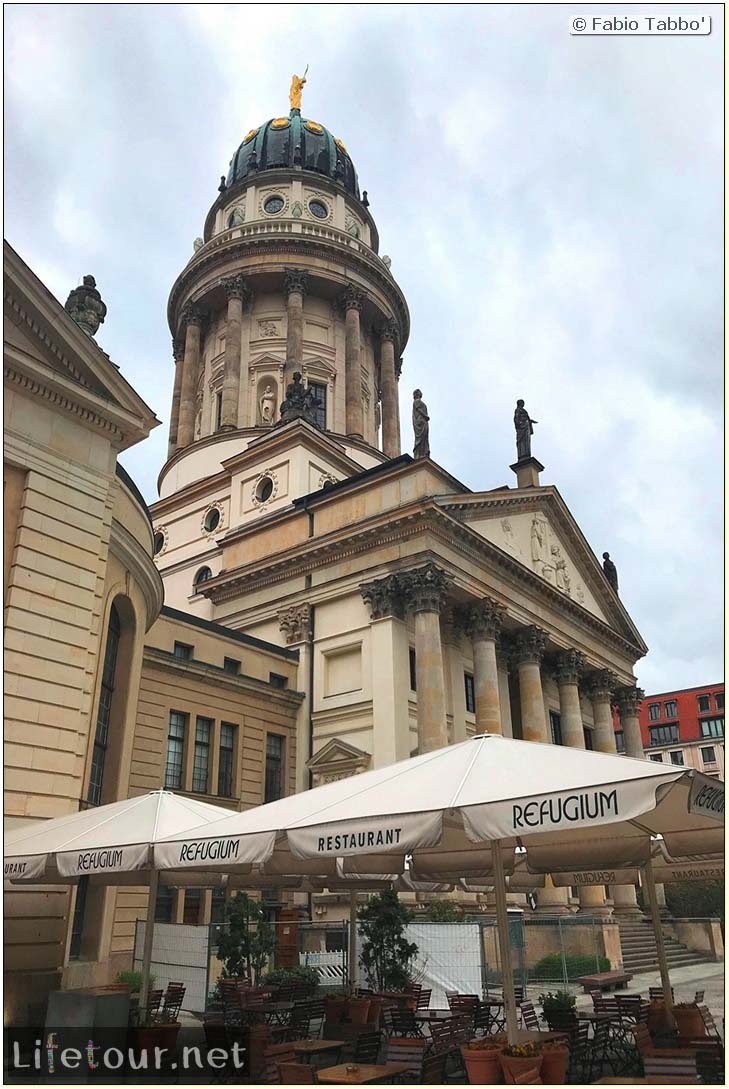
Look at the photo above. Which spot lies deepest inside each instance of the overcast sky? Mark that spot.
(552, 206)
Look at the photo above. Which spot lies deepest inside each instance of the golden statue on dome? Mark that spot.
(297, 86)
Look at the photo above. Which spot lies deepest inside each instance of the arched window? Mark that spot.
(103, 715)
(202, 576)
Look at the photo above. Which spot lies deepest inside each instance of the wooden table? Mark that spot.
(313, 1047)
(363, 1075)
(640, 1081)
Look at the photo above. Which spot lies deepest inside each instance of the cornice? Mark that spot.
(298, 433)
(294, 247)
(390, 528)
(58, 390)
(235, 682)
(140, 565)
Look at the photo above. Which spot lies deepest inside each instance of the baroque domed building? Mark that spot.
(422, 611)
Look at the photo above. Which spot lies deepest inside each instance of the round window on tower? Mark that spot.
(273, 206)
(319, 209)
(212, 520)
(264, 489)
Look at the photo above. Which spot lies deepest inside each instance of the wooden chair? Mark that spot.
(660, 1065)
(529, 1016)
(434, 1069)
(404, 1022)
(405, 1050)
(580, 1052)
(272, 1056)
(450, 995)
(709, 1022)
(424, 998)
(655, 994)
(367, 1047)
(171, 1003)
(297, 1074)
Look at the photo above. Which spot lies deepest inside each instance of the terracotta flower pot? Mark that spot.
(555, 1060)
(514, 1067)
(357, 1010)
(659, 1023)
(145, 1038)
(482, 1065)
(334, 1009)
(689, 1021)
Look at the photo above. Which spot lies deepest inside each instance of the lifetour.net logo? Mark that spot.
(64, 1055)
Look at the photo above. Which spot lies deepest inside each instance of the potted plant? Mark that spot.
(517, 1059)
(481, 1057)
(246, 941)
(689, 1021)
(558, 1010)
(555, 1060)
(387, 956)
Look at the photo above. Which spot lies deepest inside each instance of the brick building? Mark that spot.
(684, 727)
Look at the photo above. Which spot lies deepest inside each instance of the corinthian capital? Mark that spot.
(178, 348)
(295, 623)
(351, 298)
(384, 597)
(191, 314)
(484, 619)
(529, 645)
(425, 589)
(388, 330)
(601, 684)
(570, 666)
(629, 700)
(234, 287)
(295, 279)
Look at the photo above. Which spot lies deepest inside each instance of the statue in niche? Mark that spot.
(611, 571)
(299, 402)
(524, 430)
(539, 545)
(267, 405)
(421, 426)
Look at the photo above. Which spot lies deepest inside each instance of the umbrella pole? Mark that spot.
(148, 939)
(352, 936)
(649, 886)
(502, 927)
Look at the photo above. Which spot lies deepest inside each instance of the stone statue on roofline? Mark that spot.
(611, 571)
(421, 426)
(298, 403)
(524, 430)
(85, 306)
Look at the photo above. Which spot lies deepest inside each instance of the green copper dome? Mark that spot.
(293, 142)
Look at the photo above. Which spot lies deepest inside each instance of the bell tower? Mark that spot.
(287, 278)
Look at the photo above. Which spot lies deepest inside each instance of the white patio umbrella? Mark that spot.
(113, 845)
(475, 799)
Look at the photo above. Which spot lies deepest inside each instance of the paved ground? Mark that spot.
(686, 981)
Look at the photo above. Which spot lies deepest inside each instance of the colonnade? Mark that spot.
(423, 593)
(187, 351)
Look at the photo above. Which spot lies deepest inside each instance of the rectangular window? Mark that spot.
(183, 650)
(276, 680)
(654, 711)
(555, 725)
(708, 755)
(663, 735)
(704, 704)
(657, 757)
(319, 391)
(164, 908)
(670, 709)
(619, 741)
(677, 758)
(201, 755)
(217, 905)
(103, 715)
(588, 738)
(712, 727)
(470, 693)
(413, 669)
(79, 911)
(175, 750)
(218, 410)
(719, 700)
(225, 764)
(274, 768)
(231, 665)
(191, 909)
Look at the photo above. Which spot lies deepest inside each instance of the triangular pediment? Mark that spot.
(535, 528)
(340, 752)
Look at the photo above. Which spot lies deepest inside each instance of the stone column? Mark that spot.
(390, 684)
(398, 372)
(629, 701)
(570, 665)
(294, 288)
(235, 290)
(352, 300)
(192, 320)
(528, 651)
(297, 627)
(502, 667)
(484, 624)
(425, 594)
(178, 351)
(601, 685)
(389, 391)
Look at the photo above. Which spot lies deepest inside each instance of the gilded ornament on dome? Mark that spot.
(313, 126)
(249, 136)
(280, 123)
(341, 146)
(297, 86)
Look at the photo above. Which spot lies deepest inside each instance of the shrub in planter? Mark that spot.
(558, 1009)
(133, 981)
(555, 1060)
(518, 1059)
(481, 1058)
(575, 964)
(305, 977)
